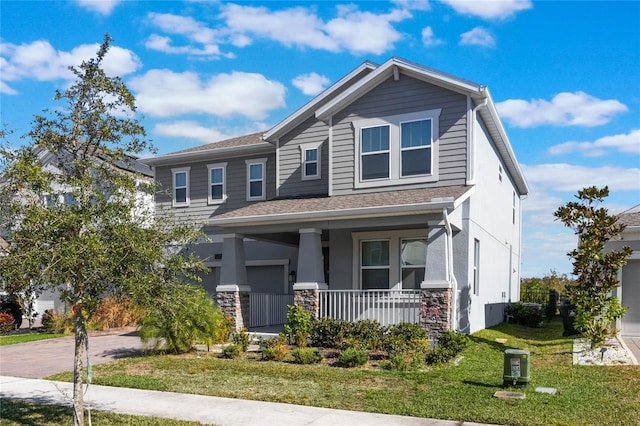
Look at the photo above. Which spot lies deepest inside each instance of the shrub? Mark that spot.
(191, 317)
(453, 341)
(232, 351)
(307, 355)
(530, 316)
(366, 334)
(274, 349)
(329, 332)
(241, 339)
(298, 327)
(352, 357)
(6, 322)
(406, 337)
(53, 322)
(48, 320)
(117, 312)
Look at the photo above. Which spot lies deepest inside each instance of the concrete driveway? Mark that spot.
(43, 358)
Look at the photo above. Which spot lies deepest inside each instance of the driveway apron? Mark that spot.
(43, 358)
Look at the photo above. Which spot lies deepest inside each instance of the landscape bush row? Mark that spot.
(399, 347)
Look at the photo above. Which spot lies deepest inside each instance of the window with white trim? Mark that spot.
(256, 177)
(310, 159)
(374, 264)
(374, 151)
(415, 147)
(217, 183)
(180, 186)
(476, 266)
(413, 255)
(397, 149)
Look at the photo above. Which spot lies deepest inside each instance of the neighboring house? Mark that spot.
(50, 299)
(395, 195)
(629, 290)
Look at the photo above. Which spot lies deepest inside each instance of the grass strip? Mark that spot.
(17, 412)
(461, 391)
(12, 339)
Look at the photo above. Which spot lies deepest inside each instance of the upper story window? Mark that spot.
(217, 183)
(415, 146)
(181, 186)
(310, 160)
(374, 149)
(397, 149)
(59, 199)
(256, 179)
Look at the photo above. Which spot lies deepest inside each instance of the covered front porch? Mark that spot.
(390, 265)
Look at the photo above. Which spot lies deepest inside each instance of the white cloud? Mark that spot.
(571, 178)
(489, 9)
(629, 143)
(206, 39)
(39, 60)
(429, 39)
(165, 93)
(311, 84)
(564, 109)
(163, 44)
(195, 130)
(104, 7)
(413, 4)
(477, 37)
(353, 30)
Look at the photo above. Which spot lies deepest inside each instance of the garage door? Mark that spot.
(631, 298)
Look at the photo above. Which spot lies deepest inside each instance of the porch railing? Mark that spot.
(385, 306)
(268, 309)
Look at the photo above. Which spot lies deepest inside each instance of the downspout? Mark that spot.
(450, 275)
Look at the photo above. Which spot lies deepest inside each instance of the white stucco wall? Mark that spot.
(489, 219)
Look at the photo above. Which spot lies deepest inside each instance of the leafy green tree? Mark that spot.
(596, 270)
(101, 240)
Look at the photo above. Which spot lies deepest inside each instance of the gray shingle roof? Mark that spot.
(630, 219)
(251, 139)
(272, 210)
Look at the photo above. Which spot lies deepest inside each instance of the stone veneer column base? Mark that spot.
(309, 299)
(235, 304)
(435, 311)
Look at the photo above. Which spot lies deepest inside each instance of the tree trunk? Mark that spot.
(80, 340)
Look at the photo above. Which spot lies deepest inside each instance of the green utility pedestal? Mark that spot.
(516, 367)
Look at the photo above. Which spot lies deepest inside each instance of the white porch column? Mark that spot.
(233, 291)
(310, 275)
(437, 263)
(436, 289)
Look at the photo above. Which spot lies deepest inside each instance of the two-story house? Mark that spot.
(393, 195)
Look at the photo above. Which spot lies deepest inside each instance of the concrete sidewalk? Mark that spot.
(203, 409)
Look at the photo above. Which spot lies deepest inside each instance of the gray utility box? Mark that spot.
(516, 367)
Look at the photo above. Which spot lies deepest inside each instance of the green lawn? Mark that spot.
(14, 412)
(12, 339)
(587, 395)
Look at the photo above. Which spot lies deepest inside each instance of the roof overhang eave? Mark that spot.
(192, 155)
(307, 110)
(505, 145)
(436, 205)
(386, 70)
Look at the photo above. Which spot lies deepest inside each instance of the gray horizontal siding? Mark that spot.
(399, 97)
(291, 183)
(198, 210)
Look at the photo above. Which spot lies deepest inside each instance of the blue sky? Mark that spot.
(565, 76)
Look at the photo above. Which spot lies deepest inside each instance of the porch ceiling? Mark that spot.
(345, 207)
